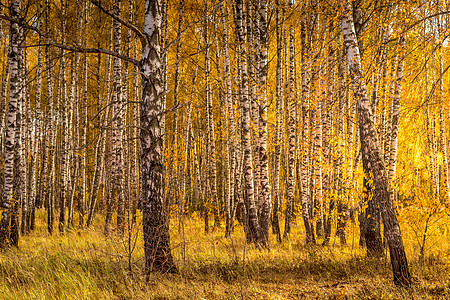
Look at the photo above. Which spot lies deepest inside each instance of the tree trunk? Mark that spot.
(253, 231)
(395, 120)
(211, 146)
(9, 204)
(371, 154)
(155, 221)
(327, 116)
(117, 185)
(305, 174)
(291, 141)
(265, 200)
(278, 134)
(64, 131)
(232, 144)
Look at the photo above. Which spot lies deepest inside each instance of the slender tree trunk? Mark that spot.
(51, 134)
(98, 153)
(211, 147)
(37, 141)
(232, 144)
(179, 177)
(327, 119)
(117, 185)
(107, 200)
(99, 149)
(291, 141)
(443, 119)
(6, 75)
(252, 43)
(342, 205)
(253, 231)
(278, 134)
(73, 102)
(395, 120)
(305, 174)
(64, 125)
(24, 146)
(265, 200)
(371, 155)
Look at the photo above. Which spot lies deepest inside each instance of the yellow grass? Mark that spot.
(84, 264)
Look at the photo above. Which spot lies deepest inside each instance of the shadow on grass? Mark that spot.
(273, 272)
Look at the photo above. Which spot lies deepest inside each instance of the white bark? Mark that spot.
(252, 232)
(8, 202)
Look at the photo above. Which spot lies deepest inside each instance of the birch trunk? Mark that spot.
(442, 126)
(252, 43)
(179, 177)
(83, 121)
(155, 220)
(24, 146)
(211, 147)
(265, 200)
(395, 120)
(253, 231)
(327, 192)
(3, 91)
(291, 141)
(232, 144)
(278, 134)
(51, 134)
(20, 155)
(37, 148)
(98, 152)
(341, 203)
(371, 154)
(64, 138)
(305, 174)
(9, 205)
(117, 185)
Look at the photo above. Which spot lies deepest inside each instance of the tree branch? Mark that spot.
(67, 47)
(137, 31)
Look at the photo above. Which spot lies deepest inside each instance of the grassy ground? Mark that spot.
(84, 264)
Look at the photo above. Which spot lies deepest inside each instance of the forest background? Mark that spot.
(281, 145)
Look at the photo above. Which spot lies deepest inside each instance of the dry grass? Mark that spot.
(84, 264)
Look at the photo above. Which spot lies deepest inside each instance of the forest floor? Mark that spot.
(85, 264)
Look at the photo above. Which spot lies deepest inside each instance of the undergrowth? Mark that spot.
(85, 264)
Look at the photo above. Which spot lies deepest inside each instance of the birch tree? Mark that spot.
(371, 154)
(155, 226)
(264, 190)
(253, 231)
(278, 134)
(9, 206)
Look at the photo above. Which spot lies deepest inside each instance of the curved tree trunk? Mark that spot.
(371, 155)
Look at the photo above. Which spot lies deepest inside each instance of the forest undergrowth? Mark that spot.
(85, 264)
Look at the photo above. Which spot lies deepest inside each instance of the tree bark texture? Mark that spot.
(9, 204)
(155, 222)
(371, 154)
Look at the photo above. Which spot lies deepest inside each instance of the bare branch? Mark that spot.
(96, 50)
(67, 47)
(137, 31)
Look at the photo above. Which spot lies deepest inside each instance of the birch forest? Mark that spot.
(224, 149)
